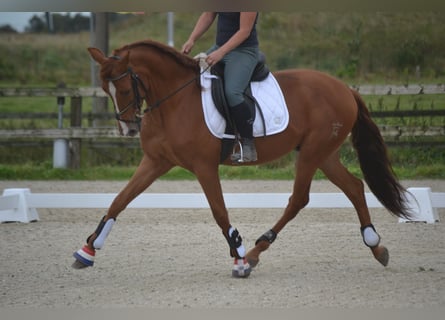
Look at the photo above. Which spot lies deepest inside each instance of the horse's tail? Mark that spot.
(375, 163)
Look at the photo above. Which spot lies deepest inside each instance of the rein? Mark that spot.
(138, 99)
(158, 103)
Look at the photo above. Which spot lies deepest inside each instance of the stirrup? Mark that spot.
(239, 157)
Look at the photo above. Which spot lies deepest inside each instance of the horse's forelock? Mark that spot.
(112, 67)
(106, 70)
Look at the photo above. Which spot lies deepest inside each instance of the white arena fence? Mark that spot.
(20, 205)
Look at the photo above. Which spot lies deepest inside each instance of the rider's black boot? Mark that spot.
(243, 120)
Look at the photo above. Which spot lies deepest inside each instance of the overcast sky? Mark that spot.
(17, 20)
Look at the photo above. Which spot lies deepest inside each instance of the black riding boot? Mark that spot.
(244, 125)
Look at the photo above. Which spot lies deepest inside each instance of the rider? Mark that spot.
(237, 46)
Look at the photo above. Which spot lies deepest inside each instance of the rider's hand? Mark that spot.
(214, 57)
(187, 47)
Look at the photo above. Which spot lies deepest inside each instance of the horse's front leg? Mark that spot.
(211, 185)
(147, 172)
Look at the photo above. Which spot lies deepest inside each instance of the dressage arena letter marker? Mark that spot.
(14, 206)
(421, 204)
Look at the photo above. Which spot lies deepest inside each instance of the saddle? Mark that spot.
(260, 73)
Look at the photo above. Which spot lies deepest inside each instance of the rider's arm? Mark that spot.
(247, 21)
(202, 25)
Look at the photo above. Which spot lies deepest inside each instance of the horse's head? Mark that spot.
(124, 87)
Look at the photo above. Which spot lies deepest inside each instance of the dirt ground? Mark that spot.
(164, 258)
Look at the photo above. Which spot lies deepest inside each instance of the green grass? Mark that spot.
(409, 163)
(46, 172)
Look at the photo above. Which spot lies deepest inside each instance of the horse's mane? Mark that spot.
(180, 58)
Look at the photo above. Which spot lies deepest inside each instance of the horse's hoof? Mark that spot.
(253, 256)
(253, 262)
(79, 265)
(381, 254)
(84, 258)
(241, 268)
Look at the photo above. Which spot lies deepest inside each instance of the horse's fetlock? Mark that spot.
(235, 241)
(268, 236)
(370, 237)
(101, 233)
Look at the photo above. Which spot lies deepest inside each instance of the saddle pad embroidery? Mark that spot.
(267, 93)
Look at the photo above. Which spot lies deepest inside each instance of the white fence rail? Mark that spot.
(20, 204)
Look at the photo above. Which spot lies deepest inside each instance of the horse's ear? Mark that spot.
(97, 55)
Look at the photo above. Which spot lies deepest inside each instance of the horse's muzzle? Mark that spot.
(132, 132)
(129, 129)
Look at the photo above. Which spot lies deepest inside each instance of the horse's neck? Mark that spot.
(170, 83)
(165, 76)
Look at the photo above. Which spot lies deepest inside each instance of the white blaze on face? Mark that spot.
(122, 124)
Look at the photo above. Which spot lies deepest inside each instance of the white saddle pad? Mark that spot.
(267, 93)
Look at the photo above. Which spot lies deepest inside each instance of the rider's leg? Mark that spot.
(239, 66)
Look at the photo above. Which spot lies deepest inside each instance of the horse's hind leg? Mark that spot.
(354, 190)
(305, 168)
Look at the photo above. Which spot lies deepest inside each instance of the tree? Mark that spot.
(61, 23)
(6, 28)
(36, 24)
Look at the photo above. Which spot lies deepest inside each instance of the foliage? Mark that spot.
(6, 28)
(411, 53)
(64, 22)
(370, 47)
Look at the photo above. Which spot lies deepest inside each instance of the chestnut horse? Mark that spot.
(323, 111)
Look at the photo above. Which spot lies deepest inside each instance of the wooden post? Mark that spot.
(99, 39)
(60, 145)
(76, 122)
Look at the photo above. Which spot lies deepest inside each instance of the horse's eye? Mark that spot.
(125, 92)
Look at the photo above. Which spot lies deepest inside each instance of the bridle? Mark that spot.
(138, 100)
